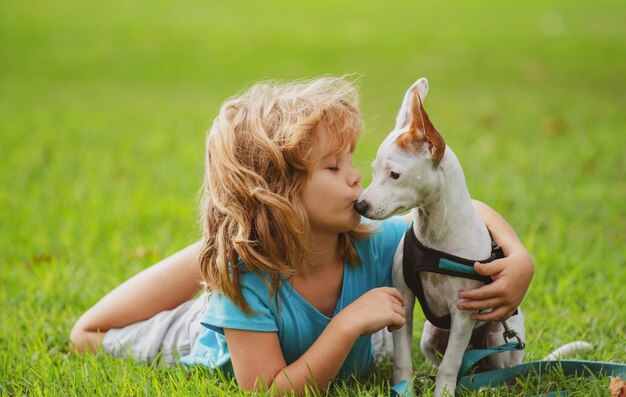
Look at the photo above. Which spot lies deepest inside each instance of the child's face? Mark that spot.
(332, 188)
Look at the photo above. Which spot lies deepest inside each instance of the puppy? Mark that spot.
(415, 170)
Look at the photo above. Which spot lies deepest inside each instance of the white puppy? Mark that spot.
(415, 170)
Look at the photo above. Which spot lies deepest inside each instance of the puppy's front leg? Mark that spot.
(460, 334)
(403, 337)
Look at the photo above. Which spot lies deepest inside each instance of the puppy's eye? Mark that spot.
(394, 175)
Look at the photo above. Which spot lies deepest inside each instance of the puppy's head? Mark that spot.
(406, 169)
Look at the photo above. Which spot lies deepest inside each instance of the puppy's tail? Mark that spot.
(567, 350)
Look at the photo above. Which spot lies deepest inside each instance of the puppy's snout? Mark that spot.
(361, 206)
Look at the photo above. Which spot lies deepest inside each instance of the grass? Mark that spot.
(103, 108)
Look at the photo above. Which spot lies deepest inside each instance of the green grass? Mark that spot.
(103, 109)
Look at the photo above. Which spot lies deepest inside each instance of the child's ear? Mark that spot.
(422, 131)
(404, 115)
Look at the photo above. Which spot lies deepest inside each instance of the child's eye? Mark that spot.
(334, 168)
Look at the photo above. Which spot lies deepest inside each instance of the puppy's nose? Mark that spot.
(361, 206)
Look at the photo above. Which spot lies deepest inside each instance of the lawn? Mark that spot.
(103, 113)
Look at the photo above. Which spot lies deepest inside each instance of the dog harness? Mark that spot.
(418, 258)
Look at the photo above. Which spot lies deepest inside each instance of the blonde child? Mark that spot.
(296, 282)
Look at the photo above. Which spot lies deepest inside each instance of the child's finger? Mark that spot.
(397, 322)
(498, 314)
(392, 328)
(491, 268)
(395, 293)
(399, 309)
(479, 304)
(487, 291)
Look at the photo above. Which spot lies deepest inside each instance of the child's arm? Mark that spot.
(162, 286)
(511, 274)
(257, 358)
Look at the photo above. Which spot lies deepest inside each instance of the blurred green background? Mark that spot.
(104, 108)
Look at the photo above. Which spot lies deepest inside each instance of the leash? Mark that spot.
(471, 357)
(584, 368)
(498, 377)
(501, 376)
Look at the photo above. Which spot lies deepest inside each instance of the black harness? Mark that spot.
(418, 258)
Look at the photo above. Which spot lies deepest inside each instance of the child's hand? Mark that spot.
(374, 310)
(511, 276)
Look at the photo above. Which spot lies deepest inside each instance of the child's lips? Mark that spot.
(352, 205)
(356, 198)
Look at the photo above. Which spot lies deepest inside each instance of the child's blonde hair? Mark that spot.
(258, 158)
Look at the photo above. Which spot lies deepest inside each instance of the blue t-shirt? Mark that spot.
(297, 322)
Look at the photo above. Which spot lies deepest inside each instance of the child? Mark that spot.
(296, 282)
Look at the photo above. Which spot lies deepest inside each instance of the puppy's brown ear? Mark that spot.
(414, 138)
(422, 127)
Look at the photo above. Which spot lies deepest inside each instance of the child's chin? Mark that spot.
(356, 221)
(348, 224)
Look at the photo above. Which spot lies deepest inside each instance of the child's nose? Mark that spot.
(355, 177)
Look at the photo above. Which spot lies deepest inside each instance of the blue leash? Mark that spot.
(569, 368)
(501, 376)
